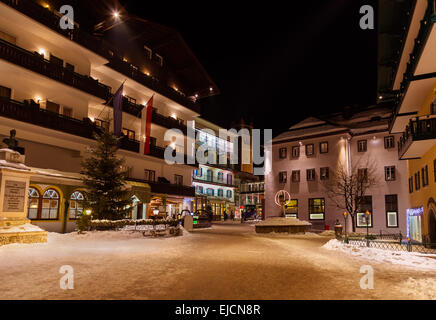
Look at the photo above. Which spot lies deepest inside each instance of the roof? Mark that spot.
(353, 122)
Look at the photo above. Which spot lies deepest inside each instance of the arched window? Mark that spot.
(33, 203)
(76, 205)
(50, 205)
(220, 192)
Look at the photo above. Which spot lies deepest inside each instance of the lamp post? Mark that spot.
(345, 218)
(367, 215)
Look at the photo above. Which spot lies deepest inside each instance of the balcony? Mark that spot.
(33, 114)
(35, 62)
(214, 181)
(132, 72)
(419, 137)
(167, 122)
(100, 47)
(168, 188)
(159, 152)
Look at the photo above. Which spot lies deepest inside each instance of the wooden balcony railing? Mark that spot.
(35, 62)
(417, 130)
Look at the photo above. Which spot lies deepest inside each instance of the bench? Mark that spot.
(158, 230)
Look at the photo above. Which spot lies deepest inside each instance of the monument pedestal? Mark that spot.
(14, 183)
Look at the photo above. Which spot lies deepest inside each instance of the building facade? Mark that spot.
(214, 183)
(409, 84)
(305, 158)
(55, 86)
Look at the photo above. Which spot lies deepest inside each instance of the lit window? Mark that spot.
(295, 151)
(310, 150)
(76, 205)
(291, 208)
(391, 204)
(33, 203)
(364, 205)
(50, 205)
(316, 209)
(324, 147)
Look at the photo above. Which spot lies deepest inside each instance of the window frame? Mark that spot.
(149, 172)
(327, 170)
(297, 155)
(410, 185)
(296, 207)
(38, 199)
(58, 199)
(311, 206)
(362, 212)
(178, 179)
(82, 201)
(313, 150)
(320, 147)
(364, 143)
(393, 209)
(283, 153)
(313, 174)
(283, 177)
(292, 176)
(389, 172)
(387, 138)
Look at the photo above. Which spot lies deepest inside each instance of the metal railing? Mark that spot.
(31, 112)
(399, 245)
(417, 129)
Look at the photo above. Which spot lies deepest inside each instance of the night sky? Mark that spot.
(275, 62)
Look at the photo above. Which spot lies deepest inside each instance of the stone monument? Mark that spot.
(14, 185)
(281, 224)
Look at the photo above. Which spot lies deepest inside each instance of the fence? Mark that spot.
(398, 245)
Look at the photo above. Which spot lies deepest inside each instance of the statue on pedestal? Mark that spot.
(11, 142)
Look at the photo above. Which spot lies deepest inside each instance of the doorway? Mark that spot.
(432, 225)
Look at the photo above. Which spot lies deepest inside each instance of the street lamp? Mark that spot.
(346, 235)
(367, 215)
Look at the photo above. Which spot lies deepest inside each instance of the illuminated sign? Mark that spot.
(415, 211)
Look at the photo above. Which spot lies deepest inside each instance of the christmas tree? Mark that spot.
(104, 179)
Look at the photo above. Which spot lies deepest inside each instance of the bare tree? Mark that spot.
(349, 185)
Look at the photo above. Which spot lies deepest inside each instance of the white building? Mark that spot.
(53, 86)
(305, 156)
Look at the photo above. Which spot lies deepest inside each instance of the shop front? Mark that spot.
(414, 224)
(163, 206)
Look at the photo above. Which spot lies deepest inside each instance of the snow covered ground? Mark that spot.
(403, 258)
(226, 261)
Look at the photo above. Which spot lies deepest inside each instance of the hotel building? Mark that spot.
(407, 80)
(305, 158)
(54, 84)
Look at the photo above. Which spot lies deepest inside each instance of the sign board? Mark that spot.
(15, 192)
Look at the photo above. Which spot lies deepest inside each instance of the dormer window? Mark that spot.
(148, 52)
(159, 59)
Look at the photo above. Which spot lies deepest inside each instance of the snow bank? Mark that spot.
(403, 258)
(22, 228)
(283, 222)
